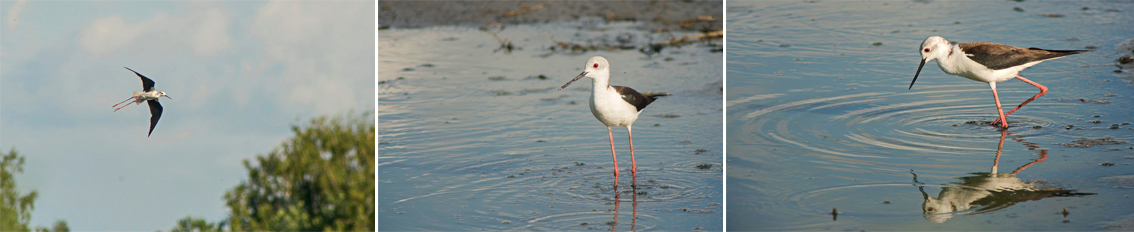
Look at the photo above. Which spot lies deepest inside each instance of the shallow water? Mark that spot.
(472, 138)
(820, 119)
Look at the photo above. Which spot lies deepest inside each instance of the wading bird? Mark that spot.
(613, 105)
(989, 63)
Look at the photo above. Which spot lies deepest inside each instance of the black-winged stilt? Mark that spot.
(613, 105)
(150, 96)
(989, 63)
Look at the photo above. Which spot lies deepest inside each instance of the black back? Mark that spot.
(999, 56)
(631, 96)
(147, 84)
(155, 113)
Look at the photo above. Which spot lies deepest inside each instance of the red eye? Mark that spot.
(596, 65)
(926, 49)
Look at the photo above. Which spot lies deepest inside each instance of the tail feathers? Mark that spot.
(1061, 52)
(136, 101)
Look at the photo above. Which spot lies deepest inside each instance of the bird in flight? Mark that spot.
(150, 96)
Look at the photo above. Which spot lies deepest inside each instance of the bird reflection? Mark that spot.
(991, 191)
(633, 203)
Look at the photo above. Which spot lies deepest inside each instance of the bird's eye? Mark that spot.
(926, 50)
(596, 65)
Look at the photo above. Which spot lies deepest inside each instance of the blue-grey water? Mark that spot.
(476, 138)
(820, 119)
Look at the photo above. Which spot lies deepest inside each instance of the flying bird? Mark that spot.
(150, 96)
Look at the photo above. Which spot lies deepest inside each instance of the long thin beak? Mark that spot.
(918, 72)
(167, 96)
(581, 75)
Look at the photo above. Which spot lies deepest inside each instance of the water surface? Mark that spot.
(824, 135)
(476, 138)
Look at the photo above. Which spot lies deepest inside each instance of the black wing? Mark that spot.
(631, 96)
(155, 114)
(147, 84)
(999, 56)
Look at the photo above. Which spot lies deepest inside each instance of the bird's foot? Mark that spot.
(1003, 124)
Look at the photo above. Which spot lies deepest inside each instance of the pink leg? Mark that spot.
(1043, 90)
(1000, 147)
(1003, 123)
(617, 199)
(124, 106)
(136, 101)
(633, 164)
(128, 99)
(613, 155)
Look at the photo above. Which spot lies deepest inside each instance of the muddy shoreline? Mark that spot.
(657, 15)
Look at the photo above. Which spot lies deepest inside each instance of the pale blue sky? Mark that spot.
(239, 73)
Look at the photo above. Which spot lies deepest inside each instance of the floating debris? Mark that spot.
(704, 166)
(1125, 59)
(522, 10)
(505, 44)
(1085, 142)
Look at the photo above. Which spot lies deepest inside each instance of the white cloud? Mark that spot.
(109, 34)
(203, 28)
(14, 14)
(327, 49)
(212, 32)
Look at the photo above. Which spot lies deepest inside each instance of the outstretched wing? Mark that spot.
(147, 84)
(155, 114)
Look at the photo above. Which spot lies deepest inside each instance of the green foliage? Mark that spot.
(60, 226)
(190, 224)
(321, 179)
(15, 210)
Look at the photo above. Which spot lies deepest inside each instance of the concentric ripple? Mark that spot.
(884, 130)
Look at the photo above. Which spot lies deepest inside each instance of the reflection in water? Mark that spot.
(633, 208)
(990, 191)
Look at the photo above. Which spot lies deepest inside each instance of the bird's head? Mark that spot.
(933, 47)
(162, 94)
(596, 67)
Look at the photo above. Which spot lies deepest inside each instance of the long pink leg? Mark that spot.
(128, 99)
(123, 106)
(127, 104)
(1003, 123)
(999, 147)
(1043, 90)
(612, 154)
(1043, 156)
(633, 164)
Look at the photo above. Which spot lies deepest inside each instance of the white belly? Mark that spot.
(609, 108)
